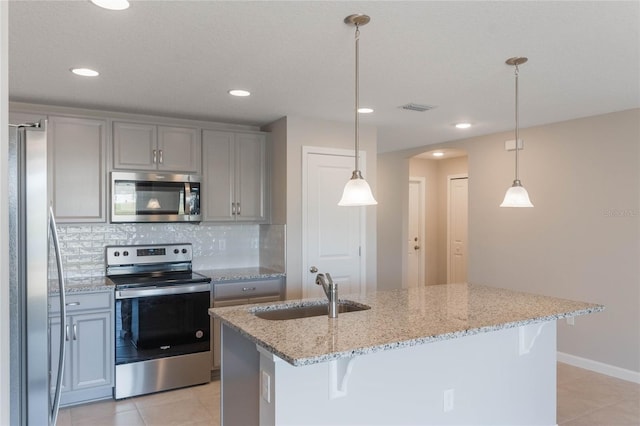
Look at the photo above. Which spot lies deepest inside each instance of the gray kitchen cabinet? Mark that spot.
(243, 292)
(77, 151)
(234, 173)
(141, 146)
(89, 340)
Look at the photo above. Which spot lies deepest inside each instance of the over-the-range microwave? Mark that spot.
(155, 197)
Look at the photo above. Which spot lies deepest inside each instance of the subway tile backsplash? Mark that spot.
(214, 246)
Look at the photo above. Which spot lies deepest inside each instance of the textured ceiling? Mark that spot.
(297, 58)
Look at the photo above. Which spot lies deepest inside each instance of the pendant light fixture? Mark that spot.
(357, 191)
(516, 196)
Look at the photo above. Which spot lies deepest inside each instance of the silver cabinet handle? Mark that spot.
(161, 159)
(313, 269)
(233, 209)
(238, 209)
(66, 333)
(73, 304)
(155, 156)
(249, 288)
(75, 331)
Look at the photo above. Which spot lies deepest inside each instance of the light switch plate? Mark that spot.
(510, 145)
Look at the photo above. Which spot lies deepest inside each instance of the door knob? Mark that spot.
(313, 269)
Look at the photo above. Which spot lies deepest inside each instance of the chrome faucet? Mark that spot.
(331, 290)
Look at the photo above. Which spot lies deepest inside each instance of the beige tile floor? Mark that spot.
(585, 398)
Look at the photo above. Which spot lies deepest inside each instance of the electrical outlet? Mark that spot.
(265, 386)
(222, 245)
(571, 320)
(447, 400)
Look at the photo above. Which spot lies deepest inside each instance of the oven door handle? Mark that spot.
(131, 293)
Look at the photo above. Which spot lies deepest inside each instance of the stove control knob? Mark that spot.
(184, 251)
(125, 253)
(176, 251)
(116, 253)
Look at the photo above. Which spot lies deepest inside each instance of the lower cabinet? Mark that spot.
(243, 292)
(89, 341)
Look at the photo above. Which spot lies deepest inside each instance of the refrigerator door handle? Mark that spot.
(53, 415)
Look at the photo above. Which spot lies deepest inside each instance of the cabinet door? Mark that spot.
(54, 330)
(134, 146)
(251, 177)
(218, 159)
(77, 168)
(178, 149)
(92, 350)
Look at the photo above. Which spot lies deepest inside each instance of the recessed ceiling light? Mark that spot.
(463, 125)
(85, 72)
(365, 110)
(112, 4)
(438, 154)
(239, 92)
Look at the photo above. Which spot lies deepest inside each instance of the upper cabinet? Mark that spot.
(77, 150)
(234, 176)
(140, 146)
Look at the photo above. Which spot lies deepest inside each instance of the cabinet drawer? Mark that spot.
(81, 302)
(247, 289)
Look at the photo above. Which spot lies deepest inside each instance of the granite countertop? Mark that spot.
(233, 274)
(101, 283)
(82, 285)
(397, 319)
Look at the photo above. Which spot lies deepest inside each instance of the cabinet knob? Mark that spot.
(313, 269)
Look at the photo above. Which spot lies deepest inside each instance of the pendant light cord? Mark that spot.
(517, 181)
(357, 153)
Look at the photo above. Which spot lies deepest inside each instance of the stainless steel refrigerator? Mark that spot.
(34, 254)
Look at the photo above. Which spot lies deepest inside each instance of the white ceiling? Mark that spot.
(297, 58)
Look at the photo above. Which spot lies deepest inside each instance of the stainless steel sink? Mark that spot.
(297, 312)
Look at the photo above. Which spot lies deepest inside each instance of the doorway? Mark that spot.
(435, 245)
(332, 236)
(457, 226)
(416, 237)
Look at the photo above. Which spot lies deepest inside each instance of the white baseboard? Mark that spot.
(599, 367)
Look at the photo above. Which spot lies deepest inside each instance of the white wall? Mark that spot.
(288, 136)
(581, 240)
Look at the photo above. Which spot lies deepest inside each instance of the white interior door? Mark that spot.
(458, 218)
(415, 238)
(331, 234)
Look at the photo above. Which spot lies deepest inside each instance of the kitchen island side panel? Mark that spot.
(506, 377)
(239, 380)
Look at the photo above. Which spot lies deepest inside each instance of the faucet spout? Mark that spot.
(331, 290)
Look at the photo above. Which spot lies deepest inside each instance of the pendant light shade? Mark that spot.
(516, 195)
(357, 191)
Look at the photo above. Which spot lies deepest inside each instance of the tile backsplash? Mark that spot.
(214, 246)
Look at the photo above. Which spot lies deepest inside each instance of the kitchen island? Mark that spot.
(446, 354)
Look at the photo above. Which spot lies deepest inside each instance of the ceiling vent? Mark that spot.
(417, 107)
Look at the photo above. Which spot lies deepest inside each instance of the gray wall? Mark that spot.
(288, 136)
(581, 240)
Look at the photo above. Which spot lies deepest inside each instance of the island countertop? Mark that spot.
(397, 318)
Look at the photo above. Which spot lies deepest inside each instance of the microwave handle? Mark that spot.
(187, 198)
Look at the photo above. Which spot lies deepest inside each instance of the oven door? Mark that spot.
(161, 321)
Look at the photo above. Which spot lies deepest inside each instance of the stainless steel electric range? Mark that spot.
(162, 326)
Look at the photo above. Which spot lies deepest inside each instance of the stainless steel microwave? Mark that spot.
(155, 197)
